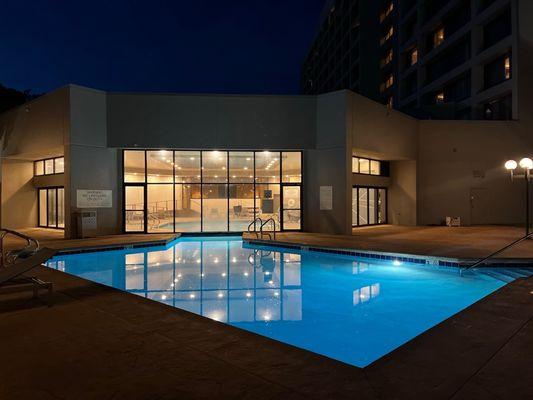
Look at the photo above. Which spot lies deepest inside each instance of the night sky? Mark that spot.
(217, 46)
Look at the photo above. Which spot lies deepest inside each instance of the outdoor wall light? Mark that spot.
(511, 165)
(527, 165)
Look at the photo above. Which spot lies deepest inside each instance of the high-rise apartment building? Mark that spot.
(438, 59)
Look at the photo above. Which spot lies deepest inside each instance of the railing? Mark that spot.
(273, 228)
(254, 225)
(32, 245)
(482, 261)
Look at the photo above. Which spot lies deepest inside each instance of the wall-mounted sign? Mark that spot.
(326, 197)
(94, 198)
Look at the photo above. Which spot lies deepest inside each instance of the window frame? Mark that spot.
(43, 160)
(201, 183)
(56, 190)
(376, 216)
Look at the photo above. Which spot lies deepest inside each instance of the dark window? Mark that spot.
(448, 60)
(497, 71)
(497, 29)
(499, 109)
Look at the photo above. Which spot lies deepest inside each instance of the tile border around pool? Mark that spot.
(440, 262)
(113, 247)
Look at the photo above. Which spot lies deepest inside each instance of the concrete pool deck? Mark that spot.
(465, 243)
(96, 342)
(53, 238)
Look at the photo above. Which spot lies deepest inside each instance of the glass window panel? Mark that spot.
(267, 201)
(292, 167)
(39, 168)
(215, 208)
(363, 206)
(188, 206)
(160, 208)
(241, 166)
(241, 206)
(134, 166)
(187, 166)
(59, 165)
(291, 197)
(60, 208)
(42, 207)
(160, 166)
(267, 167)
(292, 219)
(355, 215)
(52, 217)
(214, 167)
(372, 206)
(48, 167)
(375, 167)
(364, 166)
(355, 165)
(134, 208)
(382, 206)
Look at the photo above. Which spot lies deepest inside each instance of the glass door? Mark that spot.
(369, 206)
(134, 215)
(51, 208)
(292, 207)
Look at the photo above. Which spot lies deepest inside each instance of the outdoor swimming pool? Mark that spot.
(352, 310)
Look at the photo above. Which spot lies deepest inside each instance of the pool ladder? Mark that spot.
(261, 226)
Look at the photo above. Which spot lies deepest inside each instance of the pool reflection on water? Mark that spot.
(338, 306)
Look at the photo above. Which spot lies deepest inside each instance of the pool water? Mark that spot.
(352, 310)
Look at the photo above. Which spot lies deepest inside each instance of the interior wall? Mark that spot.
(19, 197)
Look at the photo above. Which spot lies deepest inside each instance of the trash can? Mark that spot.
(87, 224)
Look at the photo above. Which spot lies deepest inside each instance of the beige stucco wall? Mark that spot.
(459, 160)
(33, 131)
(19, 197)
(383, 134)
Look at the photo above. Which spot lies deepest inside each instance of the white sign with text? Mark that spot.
(326, 197)
(94, 198)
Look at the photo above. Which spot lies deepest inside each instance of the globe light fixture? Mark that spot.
(511, 165)
(526, 163)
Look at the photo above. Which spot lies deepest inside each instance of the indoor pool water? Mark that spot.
(352, 310)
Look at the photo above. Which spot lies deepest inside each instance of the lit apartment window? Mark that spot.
(388, 59)
(438, 37)
(388, 83)
(413, 56)
(386, 12)
(49, 166)
(507, 63)
(388, 35)
(439, 98)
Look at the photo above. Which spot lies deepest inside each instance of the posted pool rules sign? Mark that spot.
(94, 198)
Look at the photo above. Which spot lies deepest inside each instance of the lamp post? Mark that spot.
(527, 165)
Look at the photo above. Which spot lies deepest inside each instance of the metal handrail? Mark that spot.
(478, 263)
(253, 223)
(32, 244)
(274, 226)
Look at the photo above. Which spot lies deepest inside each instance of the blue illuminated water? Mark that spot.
(352, 310)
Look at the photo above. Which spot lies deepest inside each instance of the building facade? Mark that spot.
(214, 163)
(445, 59)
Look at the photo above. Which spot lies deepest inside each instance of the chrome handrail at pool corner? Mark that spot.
(480, 262)
(273, 226)
(253, 223)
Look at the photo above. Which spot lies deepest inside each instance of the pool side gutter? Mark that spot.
(422, 259)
